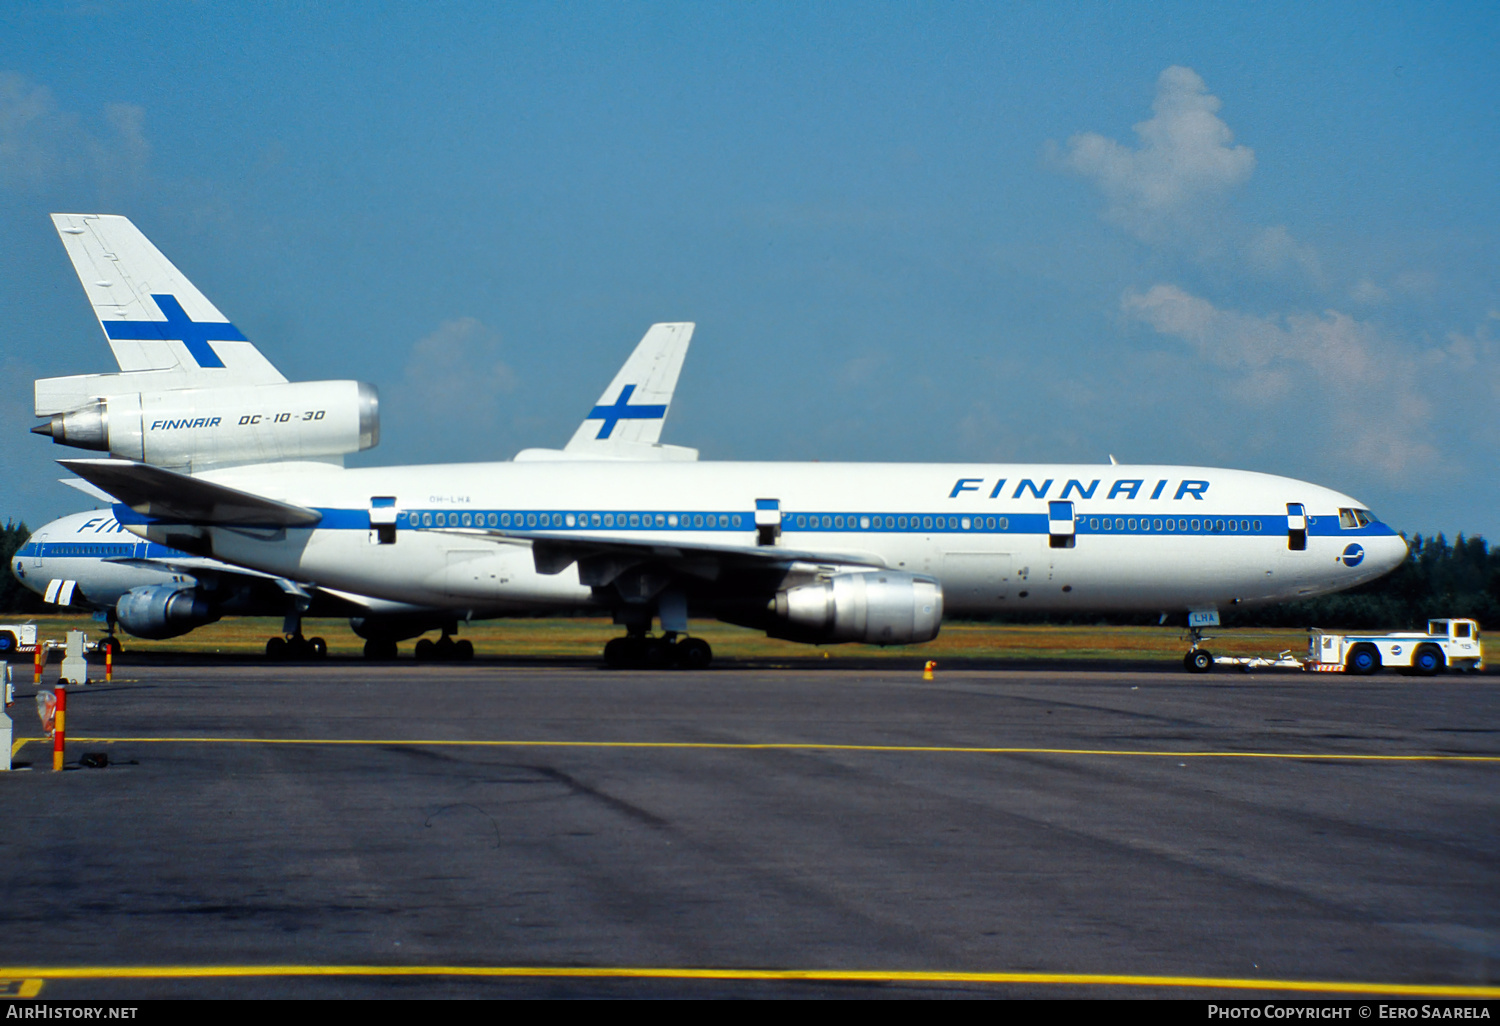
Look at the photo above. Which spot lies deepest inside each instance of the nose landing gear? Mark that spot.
(1197, 660)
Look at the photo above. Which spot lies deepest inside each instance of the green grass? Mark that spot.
(585, 638)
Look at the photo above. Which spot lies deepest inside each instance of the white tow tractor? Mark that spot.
(17, 639)
(1447, 645)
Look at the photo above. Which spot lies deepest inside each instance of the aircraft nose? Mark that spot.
(1391, 552)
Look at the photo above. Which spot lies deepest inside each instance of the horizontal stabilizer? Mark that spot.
(177, 498)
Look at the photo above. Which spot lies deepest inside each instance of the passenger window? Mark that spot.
(1219, 526)
(1119, 523)
(901, 523)
(1194, 525)
(926, 523)
(1131, 523)
(1256, 526)
(838, 522)
(1156, 525)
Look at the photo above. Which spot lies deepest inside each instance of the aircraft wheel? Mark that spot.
(276, 649)
(1199, 660)
(694, 654)
(1428, 661)
(7, 644)
(317, 648)
(658, 653)
(463, 651)
(424, 652)
(617, 653)
(444, 650)
(378, 649)
(113, 644)
(1363, 660)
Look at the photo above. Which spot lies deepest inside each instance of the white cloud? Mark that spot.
(1367, 292)
(456, 374)
(1185, 159)
(1273, 251)
(40, 143)
(1319, 372)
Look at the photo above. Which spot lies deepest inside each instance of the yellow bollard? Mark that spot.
(59, 732)
(927, 670)
(36, 661)
(109, 662)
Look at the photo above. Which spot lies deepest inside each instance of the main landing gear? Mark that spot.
(646, 652)
(444, 650)
(296, 648)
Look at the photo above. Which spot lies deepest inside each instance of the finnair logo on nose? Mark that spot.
(622, 410)
(1354, 554)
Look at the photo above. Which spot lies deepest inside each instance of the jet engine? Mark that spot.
(206, 426)
(163, 611)
(877, 607)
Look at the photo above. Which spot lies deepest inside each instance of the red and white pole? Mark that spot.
(58, 729)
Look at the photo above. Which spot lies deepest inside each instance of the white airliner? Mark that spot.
(153, 591)
(819, 552)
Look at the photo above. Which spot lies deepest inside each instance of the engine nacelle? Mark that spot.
(163, 611)
(878, 607)
(201, 427)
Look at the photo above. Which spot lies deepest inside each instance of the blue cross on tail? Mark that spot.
(178, 326)
(622, 410)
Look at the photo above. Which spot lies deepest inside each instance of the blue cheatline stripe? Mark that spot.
(565, 520)
(178, 326)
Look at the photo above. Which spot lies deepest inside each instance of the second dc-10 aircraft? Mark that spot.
(153, 591)
(818, 553)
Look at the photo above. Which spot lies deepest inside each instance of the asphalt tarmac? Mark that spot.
(1051, 832)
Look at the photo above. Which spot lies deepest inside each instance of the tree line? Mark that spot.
(1439, 578)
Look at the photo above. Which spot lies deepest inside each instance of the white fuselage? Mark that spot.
(1146, 538)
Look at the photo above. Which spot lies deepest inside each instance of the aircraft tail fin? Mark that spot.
(156, 320)
(628, 419)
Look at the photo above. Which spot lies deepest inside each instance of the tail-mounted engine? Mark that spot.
(200, 427)
(878, 608)
(163, 611)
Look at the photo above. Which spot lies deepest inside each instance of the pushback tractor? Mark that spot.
(1447, 645)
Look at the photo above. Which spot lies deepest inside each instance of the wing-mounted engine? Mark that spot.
(164, 611)
(877, 608)
(197, 428)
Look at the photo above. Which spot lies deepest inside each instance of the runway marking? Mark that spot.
(786, 746)
(179, 972)
(20, 988)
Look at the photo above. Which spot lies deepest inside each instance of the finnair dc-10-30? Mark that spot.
(820, 552)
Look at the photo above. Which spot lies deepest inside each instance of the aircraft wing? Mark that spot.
(167, 495)
(553, 554)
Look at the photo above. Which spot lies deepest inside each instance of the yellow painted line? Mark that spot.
(20, 988)
(789, 746)
(179, 972)
(18, 745)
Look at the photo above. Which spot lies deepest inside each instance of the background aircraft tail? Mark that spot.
(164, 333)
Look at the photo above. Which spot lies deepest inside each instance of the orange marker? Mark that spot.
(57, 729)
(927, 670)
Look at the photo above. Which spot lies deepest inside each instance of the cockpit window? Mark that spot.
(1365, 517)
(1347, 520)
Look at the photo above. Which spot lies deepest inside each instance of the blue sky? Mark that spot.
(1259, 236)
